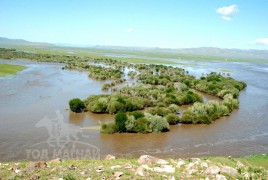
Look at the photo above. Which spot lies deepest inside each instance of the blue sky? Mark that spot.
(149, 23)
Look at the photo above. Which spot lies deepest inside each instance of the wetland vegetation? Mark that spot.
(157, 90)
(8, 69)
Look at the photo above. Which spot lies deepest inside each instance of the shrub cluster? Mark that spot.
(76, 105)
(140, 96)
(230, 102)
(160, 111)
(146, 123)
(136, 122)
(132, 74)
(161, 95)
(172, 118)
(218, 85)
(113, 103)
(167, 112)
(103, 73)
(201, 113)
(224, 87)
(107, 86)
(108, 128)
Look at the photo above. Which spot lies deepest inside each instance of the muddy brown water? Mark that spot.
(34, 103)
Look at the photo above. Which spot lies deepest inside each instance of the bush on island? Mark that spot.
(108, 128)
(120, 121)
(172, 119)
(76, 105)
(137, 114)
(173, 108)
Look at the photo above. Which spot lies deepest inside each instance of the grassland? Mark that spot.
(139, 55)
(250, 167)
(8, 69)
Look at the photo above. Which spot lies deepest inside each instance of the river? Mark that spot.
(38, 93)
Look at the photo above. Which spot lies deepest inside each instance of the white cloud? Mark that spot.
(227, 12)
(130, 29)
(260, 41)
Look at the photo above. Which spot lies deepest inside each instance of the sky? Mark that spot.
(241, 24)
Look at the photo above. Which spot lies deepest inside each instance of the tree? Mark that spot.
(76, 105)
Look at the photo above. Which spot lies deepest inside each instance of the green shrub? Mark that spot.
(204, 113)
(203, 119)
(146, 124)
(133, 104)
(76, 105)
(230, 102)
(173, 118)
(115, 106)
(130, 107)
(188, 117)
(160, 111)
(97, 103)
(121, 100)
(98, 107)
(192, 97)
(143, 125)
(160, 124)
(106, 86)
(137, 114)
(113, 103)
(157, 123)
(161, 104)
(218, 85)
(173, 108)
(108, 128)
(130, 124)
(120, 121)
(103, 73)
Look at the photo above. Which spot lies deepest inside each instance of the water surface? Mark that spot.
(44, 88)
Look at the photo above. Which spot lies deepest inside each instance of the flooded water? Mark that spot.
(38, 96)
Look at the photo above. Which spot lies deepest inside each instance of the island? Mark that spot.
(145, 98)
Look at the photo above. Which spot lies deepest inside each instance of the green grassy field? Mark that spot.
(250, 167)
(256, 160)
(8, 69)
(136, 55)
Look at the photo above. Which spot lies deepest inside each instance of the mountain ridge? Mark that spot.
(199, 51)
(4, 40)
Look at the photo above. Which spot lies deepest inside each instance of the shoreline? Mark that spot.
(10, 69)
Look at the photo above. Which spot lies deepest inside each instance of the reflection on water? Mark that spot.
(43, 88)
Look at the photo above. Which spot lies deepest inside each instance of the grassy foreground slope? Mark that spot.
(8, 69)
(250, 167)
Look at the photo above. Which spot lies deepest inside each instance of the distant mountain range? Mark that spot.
(7, 41)
(202, 51)
(227, 53)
